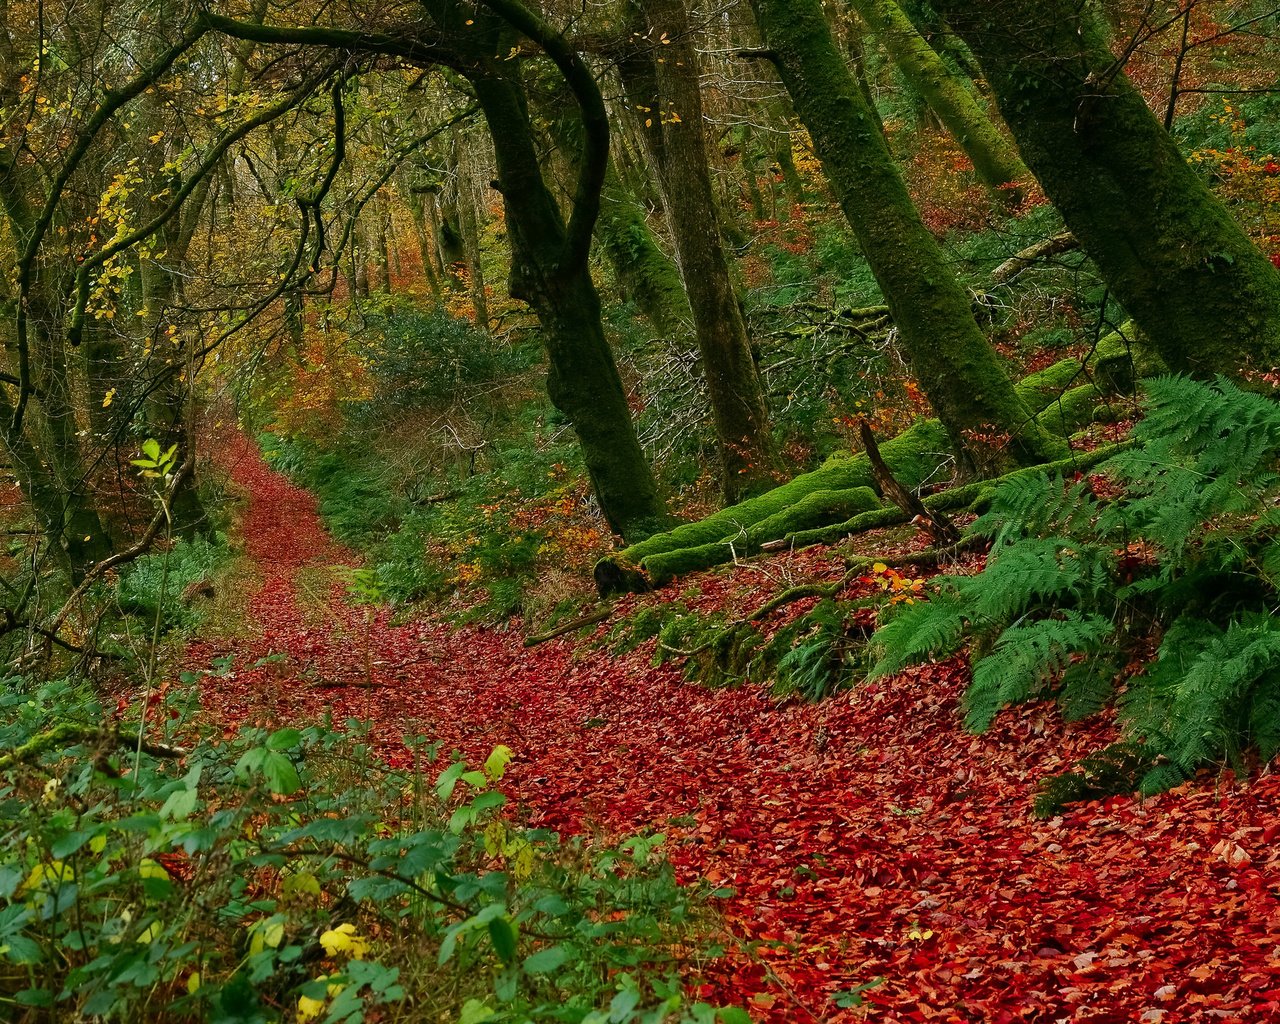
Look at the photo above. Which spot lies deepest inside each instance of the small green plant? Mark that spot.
(288, 875)
(1176, 540)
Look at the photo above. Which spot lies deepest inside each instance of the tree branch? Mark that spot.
(595, 123)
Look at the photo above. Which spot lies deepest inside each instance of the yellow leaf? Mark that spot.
(150, 869)
(193, 983)
(108, 398)
(308, 1008)
(150, 933)
(53, 874)
(879, 567)
(344, 939)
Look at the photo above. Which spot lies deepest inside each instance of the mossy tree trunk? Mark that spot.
(660, 79)
(469, 222)
(1202, 292)
(645, 274)
(549, 268)
(995, 159)
(947, 351)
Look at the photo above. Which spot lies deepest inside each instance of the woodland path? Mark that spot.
(866, 837)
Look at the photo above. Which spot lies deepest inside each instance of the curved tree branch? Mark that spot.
(595, 122)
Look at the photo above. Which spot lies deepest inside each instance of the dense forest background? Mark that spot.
(950, 326)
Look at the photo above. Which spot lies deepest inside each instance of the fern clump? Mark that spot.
(1174, 539)
(819, 655)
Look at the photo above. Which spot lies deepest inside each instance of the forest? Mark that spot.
(639, 511)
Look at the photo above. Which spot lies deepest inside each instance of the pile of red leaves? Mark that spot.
(868, 837)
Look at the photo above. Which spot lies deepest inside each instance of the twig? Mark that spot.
(69, 733)
(942, 528)
(590, 619)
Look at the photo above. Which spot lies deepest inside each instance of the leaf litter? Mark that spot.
(875, 851)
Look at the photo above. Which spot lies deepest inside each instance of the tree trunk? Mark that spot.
(469, 222)
(583, 381)
(644, 271)
(1201, 291)
(995, 159)
(664, 90)
(956, 366)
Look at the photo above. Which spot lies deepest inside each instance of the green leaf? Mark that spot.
(280, 773)
(545, 960)
(503, 936)
(284, 739)
(179, 805)
(475, 1012)
(622, 1004)
(449, 779)
(496, 763)
(488, 801)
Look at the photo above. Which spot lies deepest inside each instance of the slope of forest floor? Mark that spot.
(868, 837)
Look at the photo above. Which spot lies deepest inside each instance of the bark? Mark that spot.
(425, 248)
(995, 159)
(660, 78)
(1200, 290)
(469, 223)
(549, 271)
(645, 273)
(958, 370)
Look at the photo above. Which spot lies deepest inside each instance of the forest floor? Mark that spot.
(866, 837)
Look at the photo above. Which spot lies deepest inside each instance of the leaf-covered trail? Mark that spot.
(866, 837)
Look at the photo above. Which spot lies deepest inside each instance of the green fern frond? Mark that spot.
(1037, 572)
(1160, 778)
(1196, 702)
(1033, 505)
(1025, 659)
(917, 631)
(1086, 687)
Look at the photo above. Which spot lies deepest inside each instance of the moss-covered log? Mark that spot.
(808, 509)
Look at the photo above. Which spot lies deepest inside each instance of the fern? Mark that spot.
(1200, 696)
(1025, 659)
(1036, 572)
(1076, 586)
(918, 631)
(815, 667)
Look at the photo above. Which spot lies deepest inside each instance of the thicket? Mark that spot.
(169, 873)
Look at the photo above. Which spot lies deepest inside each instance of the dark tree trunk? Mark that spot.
(1202, 292)
(583, 381)
(661, 81)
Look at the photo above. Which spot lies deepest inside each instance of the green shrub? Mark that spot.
(161, 581)
(289, 875)
(428, 359)
(1174, 540)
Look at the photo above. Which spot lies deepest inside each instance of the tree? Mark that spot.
(661, 78)
(1205, 296)
(946, 349)
(995, 159)
(549, 264)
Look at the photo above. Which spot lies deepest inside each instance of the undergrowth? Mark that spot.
(1172, 543)
(174, 875)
